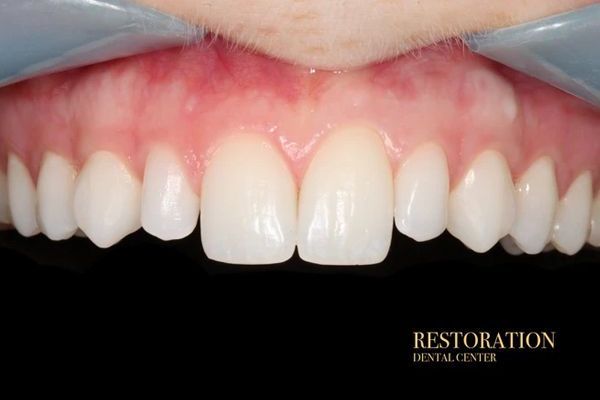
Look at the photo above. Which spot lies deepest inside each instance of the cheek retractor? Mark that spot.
(562, 50)
(38, 37)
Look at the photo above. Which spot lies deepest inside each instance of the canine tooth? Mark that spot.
(248, 204)
(4, 208)
(107, 199)
(536, 196)
(21, 197)
(346, 201)
(421, 189)
(170, 207)
(482, 205)
(55, 189)
(594, 239)
(510, 246)
(572, 221)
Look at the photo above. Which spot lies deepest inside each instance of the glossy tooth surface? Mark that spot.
(510, 246)
(248, 204)
(107, 199)
(22, 198)
(482, 205)
(4, 208)
(572, 220)
(594, 239)
(170, 207)
(55, 189)
(421, 189)
(536, 196)
(346, 201)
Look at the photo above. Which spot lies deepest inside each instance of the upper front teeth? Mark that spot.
(252, 212)
(346, 201)
(248, 213)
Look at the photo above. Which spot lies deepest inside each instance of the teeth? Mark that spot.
(170, 207)
(482, 206)
(55, 189)
(572, 221)
(422, 193)
(536, 200)
(594, 239)
(346, 201)
(4, 208)
(249, 203)
(107, 200)
(510, 246)
(21, 197)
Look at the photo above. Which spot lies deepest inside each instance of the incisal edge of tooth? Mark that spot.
(421, 193)
(170, 207)
(107, 199)
(55, 190)
(572, 220)
(481, 208)
(22, 197)
(347, 201)
(4, 208)
(248, 203)
(536, 196)
(594, 239)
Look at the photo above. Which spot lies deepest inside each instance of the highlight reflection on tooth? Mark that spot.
(170, 207)
(4, 208)
(421, 189)
(594, 239)
(572, 221)
(536, 200)
(248, 204)
(107, 199)
(346, 201)
(55, 190)
(482, 206)
(22, 198)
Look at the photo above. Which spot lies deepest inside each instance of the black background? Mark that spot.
(144, 299)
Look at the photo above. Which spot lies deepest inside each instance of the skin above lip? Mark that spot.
(348, 34)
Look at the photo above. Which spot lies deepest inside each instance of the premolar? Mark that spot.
(107, 199)
(55, 190)
(482, 205)
(572, 221)
(22, 197)
(346, 201)
(594, 239)
(4, 207)
(248, 204)
(536, 199)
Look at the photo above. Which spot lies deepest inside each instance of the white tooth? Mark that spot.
(572, 221)
(170, 207)
(107, 199)
(4, 208)
(55, 189)
(510, 246)
(21, 197)
(248, 204)
(347, 201)
(594, 239)
(421, 187)
(536, 199)
(482, 206)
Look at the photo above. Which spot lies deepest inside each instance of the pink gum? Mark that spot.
(191, 98)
